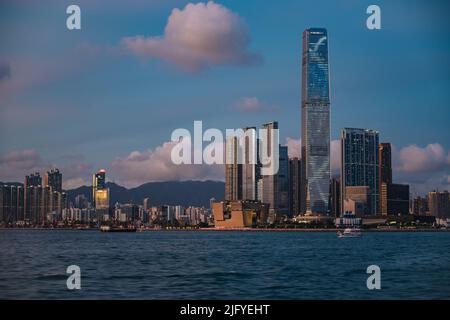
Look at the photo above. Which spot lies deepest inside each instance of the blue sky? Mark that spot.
(78, 99)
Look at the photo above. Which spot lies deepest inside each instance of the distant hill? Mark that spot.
(185, 193)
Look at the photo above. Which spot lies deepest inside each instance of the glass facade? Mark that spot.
(315, 122)
(283, 181)
(360, 163)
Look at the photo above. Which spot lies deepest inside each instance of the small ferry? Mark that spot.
(349, 233)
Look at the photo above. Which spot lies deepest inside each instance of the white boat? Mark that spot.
(349, 233)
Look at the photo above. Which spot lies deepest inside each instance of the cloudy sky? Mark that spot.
(110, 95)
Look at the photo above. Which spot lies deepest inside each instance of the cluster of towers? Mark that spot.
(34, 201)
(304, 186)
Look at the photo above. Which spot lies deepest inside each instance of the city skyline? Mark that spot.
(128, 146)
(190, 154)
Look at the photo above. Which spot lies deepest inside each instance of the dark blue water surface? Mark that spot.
(223, 265)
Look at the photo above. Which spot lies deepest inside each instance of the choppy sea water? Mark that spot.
(223, 265)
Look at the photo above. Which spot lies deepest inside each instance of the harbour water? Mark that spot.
(223, 265)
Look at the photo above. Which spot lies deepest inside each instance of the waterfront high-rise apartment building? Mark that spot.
(315, 133)
(360, 164)
(41, 202)
(11, 203)
(32, 180)
(53, 179)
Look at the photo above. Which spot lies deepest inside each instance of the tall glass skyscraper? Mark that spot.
(315, 122)
(360, 164)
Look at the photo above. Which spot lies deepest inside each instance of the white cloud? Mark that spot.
(253, 104)
(294, 147)
(18, 163)
(335, 147)
(249, 104)
(156, 165)
(424, 168)
(196, 37)
(416, 159)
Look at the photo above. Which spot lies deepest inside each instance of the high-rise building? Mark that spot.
(42, 204)
(102, 199)
(233, 170)
(53, 179)
(360, 196)
(81, 202)
(394, 199)
(420, 206)
(33, 201)
(335, 197)
(98, 182)
(11, 203)
(385, 173)
(295, 178)
(439, 204)
(131, 211)
(250, 166)
(360, 164)
(146, 204)
(283, 182)
(269, 186)
(32, 180)
(385, 158)
(315, 122)
(100, 194)
(243, 170)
